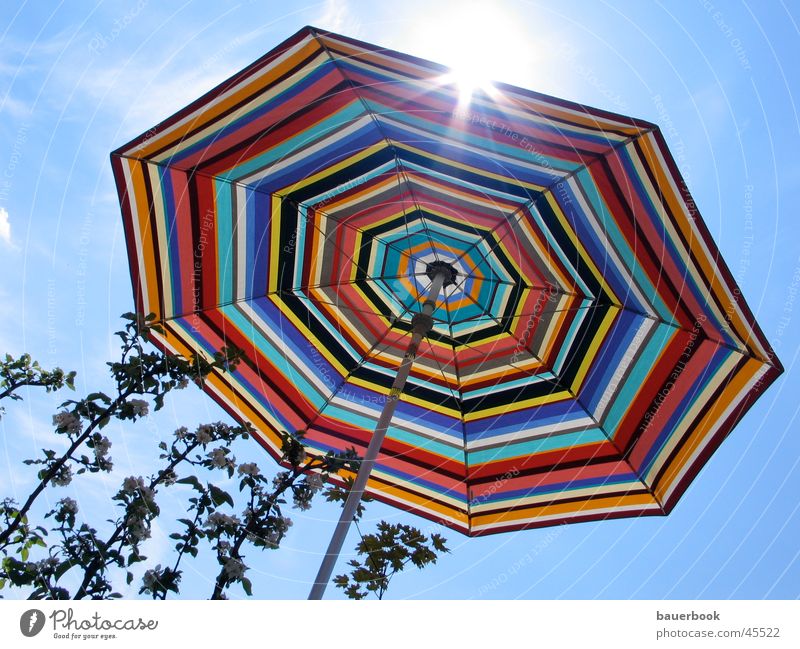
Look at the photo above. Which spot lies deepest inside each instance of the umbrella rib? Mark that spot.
(392, 246)
(371, 278)
(678, 327)
(524, 315)
(336, 304)
(629, 309)
(483, 353)
(574, 172)
(400, 188)
(515, 217)
(402, 174)
(422, 218)
(296, 204)
(441, 370)
(351, 258)
(566, 178)
(485, 256)
(350, 372)
(383, 135)
(460, 389)
(622, 454)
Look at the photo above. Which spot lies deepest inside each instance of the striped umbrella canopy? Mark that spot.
(592, 353)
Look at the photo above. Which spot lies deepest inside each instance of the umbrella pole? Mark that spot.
(422, 323)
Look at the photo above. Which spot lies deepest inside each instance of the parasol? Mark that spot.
(523, 283)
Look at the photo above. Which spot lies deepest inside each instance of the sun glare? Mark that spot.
(479, 42)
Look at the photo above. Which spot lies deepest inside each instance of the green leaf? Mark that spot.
(219, 496)
(192, 480)
(248, 586)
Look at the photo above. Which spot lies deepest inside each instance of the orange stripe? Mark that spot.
(712, 416)
(583, 507)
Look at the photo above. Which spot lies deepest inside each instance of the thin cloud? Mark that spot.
(5, 226)
(336, 16)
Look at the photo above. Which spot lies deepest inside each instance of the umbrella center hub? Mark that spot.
(435, 268)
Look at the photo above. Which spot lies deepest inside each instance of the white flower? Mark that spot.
(249, 468)
(234, 569)
(183, 384)
(302, 498)
(149, 580)
(218, 519)
(315, 482)
(63, 476)
(302, 504)
(219, 459)
(204, 434)
(101, 446)
(68, 422)
(130, 485)
(280, 478)
(223, 547)
(68, 505)
(138, 530)
(139, 406)
(46, 565)
(181, 432)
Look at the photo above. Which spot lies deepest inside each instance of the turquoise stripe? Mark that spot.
(225, 258)
(276, 356)
(545, 164)
(636, 379)
(289, 147)
(449, 180)
(622, 247)
(531, 447)
(573, 331)
(507, 385)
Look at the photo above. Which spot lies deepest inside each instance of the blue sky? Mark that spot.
(79, 79)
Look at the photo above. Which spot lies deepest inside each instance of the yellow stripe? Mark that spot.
(594, 348)
(453, 163)
(517, 405)
(327, 171)
(287, 313)
(275, 230)
(582, 252)
(161, 235)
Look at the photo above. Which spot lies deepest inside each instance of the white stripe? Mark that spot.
(135, 220)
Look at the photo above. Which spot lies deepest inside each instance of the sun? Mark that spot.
(479, 42)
